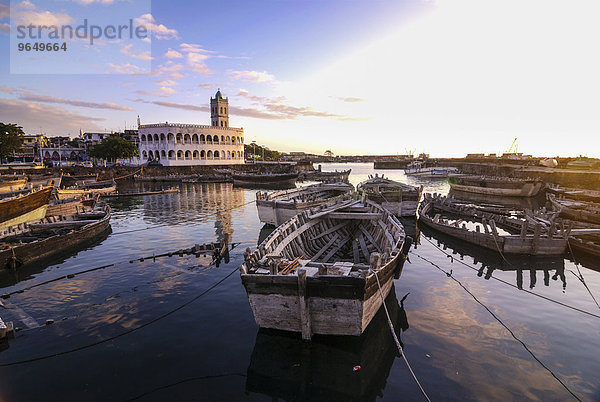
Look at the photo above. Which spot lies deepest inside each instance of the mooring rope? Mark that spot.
(580, 276)
(391, 325)
(165, 315)
(449, 275)
(513, 286)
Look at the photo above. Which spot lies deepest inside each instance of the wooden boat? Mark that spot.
(70, 206)
(495, 186)
(27, 242)
(418, 169)
(102, 188)
(279, 357)
(318, 273)
(276, 208)
(264, 179)
(24, 207)
(318, 175)
(471, 225)
(582, 211)
(576, 194)
(398, 198)
(12, 185)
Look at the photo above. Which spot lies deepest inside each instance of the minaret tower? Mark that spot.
(219, 110)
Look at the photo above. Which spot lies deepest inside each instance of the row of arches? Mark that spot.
(190, 155)
(190, 139)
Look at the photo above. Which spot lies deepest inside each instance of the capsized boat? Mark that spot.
(502, 233)
(28, 242)
(321, 272)
(277, 207)
(399, 198)
(497, 186)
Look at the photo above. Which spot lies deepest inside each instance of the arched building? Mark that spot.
(176, 144)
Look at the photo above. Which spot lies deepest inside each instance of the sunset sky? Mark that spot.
(446, 77)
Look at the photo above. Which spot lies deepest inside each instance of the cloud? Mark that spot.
(173, 54)
(251, 76)
(277, 108)
(348, 99)
(127, 68)
(162, 92)
(159, 31)
(53, 120)
(174, 105)
(87, 2)
(196, 57)
(41, 18)
(206, 86)
(5, 28)
(166, 83)
(127, 49)
(4, 11)
(34, 97)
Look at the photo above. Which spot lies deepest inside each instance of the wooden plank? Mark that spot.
(304, 306)
(330, 230)
(363, 246)
(354, 215)
(296, 233)
(370, 238)
(335, 249)
(332, 209)
(329, 244)
(355, 254)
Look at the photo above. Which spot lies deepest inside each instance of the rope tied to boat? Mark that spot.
(580, 276)
(396, 340)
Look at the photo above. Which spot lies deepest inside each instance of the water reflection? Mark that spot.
(284, 366)
(491, 261)
(28, 271)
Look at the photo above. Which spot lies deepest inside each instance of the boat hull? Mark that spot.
(28, 253)
(25, 208)
(338, 306)
(527, 190)
(72, 193)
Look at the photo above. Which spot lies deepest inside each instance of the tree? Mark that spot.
(260, 151)
(114, 147)
(11, 139)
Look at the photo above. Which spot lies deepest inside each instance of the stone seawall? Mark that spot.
(105, 173)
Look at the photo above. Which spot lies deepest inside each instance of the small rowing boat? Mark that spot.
(399, 198)
(277, 207)
(322, 271)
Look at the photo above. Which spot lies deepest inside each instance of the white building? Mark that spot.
(175, 144)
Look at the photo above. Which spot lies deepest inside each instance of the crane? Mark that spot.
(512, 145)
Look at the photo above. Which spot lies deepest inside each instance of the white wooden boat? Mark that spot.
(399, 198)
(318, 273)
(108, 187)
(497, 186)
(418, 169)
(277, 207)
(501, 233)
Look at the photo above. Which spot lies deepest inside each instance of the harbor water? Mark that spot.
(473, 325)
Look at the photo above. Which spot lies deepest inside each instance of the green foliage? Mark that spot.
(11, 139)
(114, 147)
(269, 155)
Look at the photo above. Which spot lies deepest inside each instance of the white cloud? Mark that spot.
(162, 92)
(5, 28)
(166, 83)
(128, 50)
(251, 76)
(173, 54)
(126, 68)
(28, 95)
(159, 31)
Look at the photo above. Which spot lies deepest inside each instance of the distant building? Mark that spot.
(58, 141)
(35, 140)
(176, 144)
